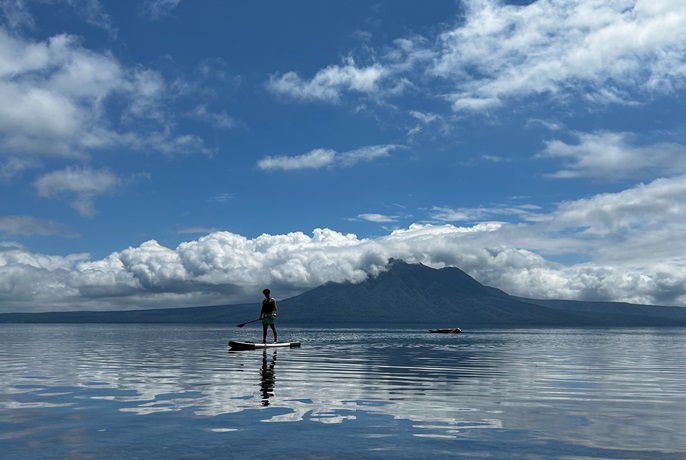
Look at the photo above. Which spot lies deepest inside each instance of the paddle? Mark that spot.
(248, 322)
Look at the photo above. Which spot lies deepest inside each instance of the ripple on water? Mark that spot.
(613, 389)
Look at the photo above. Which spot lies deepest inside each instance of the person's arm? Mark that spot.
(274, 304)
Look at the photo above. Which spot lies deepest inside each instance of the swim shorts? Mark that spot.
(268, 320)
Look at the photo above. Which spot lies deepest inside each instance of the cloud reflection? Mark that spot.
(440, 386)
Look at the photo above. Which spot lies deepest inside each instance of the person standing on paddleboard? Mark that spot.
(267, 315)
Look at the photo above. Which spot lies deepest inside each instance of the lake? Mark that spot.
(176, 392)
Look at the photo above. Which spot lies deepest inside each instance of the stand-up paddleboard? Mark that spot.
(236, 345)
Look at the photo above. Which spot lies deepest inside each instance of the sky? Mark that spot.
(175, 153)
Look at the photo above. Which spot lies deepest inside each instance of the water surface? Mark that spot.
(174, 391)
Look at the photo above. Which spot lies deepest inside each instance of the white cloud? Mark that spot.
(445, 214)
(157, 9)
(219, 120)
(423, 119)
(368, 153)
(27, 278)
(11, 167)
(55, 96)
(563, 46)
(631, 241)
(329, 84)
(221, 198)
(608, 155)
(640, 209)
(197, 230)
(496, 158)
(605, 52)
(315, 159)
(93, 13)
(378, 218)
(82, 183)
(16, 14)
(153, 266)
(322, 158)
(30, 225)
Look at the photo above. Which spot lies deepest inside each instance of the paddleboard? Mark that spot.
(236, 345)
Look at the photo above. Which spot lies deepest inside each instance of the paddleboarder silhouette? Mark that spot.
(267, 315)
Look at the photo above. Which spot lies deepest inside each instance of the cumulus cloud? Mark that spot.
(618, 236)
(56, 95)
(636, 210)
(27, 278)
(322, 158)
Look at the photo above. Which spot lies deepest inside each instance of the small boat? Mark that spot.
(453, 330)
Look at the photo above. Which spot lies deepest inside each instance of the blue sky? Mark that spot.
(170, 153)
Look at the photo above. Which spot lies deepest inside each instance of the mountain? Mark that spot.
(411, 294)
(448, 297)
(418, 294)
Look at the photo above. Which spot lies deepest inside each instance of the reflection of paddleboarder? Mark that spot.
(267, 377)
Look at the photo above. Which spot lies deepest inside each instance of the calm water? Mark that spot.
(162, 391)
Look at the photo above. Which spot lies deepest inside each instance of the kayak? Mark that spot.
(454, 330)
(236, 345)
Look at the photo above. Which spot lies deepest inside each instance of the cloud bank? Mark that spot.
(622, 233)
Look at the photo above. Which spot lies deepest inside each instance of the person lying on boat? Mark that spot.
(455, 330)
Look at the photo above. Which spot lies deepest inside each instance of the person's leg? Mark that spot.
(274, 331)
(264, 333)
